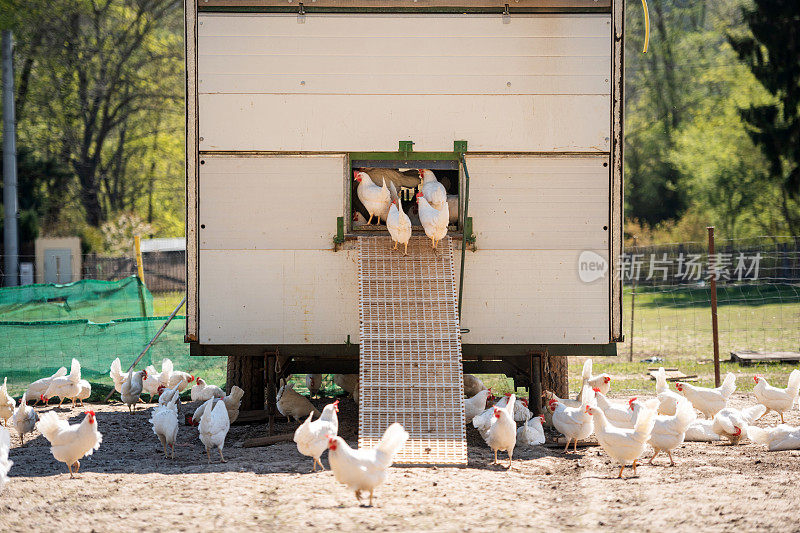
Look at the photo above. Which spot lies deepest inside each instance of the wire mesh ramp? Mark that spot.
(410, 366)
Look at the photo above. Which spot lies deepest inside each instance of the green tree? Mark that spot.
(772, 52)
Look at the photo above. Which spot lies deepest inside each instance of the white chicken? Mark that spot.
(37, 389)
(165, 423)
(399, 225)
(131, 389)
(475, 405)
(434, 221)
(432, 190)
(574, 423)
(375, 199)
(669, 431)
(472, 385)
(618, 414)
(313, 383)
(782, 437)
(774, 398)
(213, 428)
(668, 400)
(202, 391)
(66, 387)
(153, 380)
(733, 424)
(24, 419)
(622, 444)
(700, 431)
(601, 381)
(292, 404)
(502, 432)
(7, 403)
(312, 437)
(179, 379)
(365, 469)
(165, 396)
(708, 401)
(521, 411)
(117, 375)
(5, 462)
(232, 403)
(348, 383)
(531, 433)
(85, 392)
(70, 443)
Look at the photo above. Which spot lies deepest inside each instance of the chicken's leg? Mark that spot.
(370, 498)
(71, 475)
(222, 457)
(320, 464)
(567, 446)
(575, 446)
(164, 443)
(208, 454)
(370, 219)
(358, 496)
(510, 453)
(620, 471)
(782, 422)
(395, 245)
(634, 466)
(77, 466)
(62, 401)
(495, 458)
(654, 456)
(406, 251)
(671, 462)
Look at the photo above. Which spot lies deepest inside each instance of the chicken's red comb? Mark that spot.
(90, 413)
(632, 400)
(596, 389)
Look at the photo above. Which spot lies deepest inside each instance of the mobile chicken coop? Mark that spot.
(515, 105)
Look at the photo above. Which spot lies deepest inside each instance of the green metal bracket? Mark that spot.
(468, 235)
(405, 146)
(459, 147)
(339, 239)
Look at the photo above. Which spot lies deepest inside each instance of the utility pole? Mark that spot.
(10, 205)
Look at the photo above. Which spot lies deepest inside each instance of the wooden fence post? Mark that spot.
(712, 269)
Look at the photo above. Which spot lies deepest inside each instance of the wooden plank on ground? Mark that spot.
(559, 442)
(673, 374)
(251, 417)
(749, 357)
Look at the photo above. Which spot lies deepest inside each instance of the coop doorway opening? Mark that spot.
(405, 175)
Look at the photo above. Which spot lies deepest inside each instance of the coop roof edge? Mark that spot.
(420, 6)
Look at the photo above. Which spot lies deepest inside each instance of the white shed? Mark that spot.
(285, 99)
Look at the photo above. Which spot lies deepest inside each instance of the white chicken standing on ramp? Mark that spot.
(312, 437)
(433, 220)
(364, 470)
(623, 445)
(70, 443)
(213, 428)
(375, 199)
(398, 223)
(432, 190)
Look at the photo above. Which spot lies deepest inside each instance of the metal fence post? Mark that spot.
(712, 268)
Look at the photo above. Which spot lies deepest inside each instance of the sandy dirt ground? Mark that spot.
(128, 485)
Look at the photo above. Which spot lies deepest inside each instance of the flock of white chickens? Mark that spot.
(623, 429)
(384, 203)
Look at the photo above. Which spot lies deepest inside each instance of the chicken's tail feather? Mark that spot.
(394, 438)
(60, 373)
(661, 380)
(587, 370)
(48, 425)
(729, 385)
(758, 435)
(75, 371)
(685, 414)
(644, 425)
(166, 366)
(794, 383)
(753, 413)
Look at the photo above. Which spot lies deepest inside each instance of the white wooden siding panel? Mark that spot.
(532, 297)
(278, 296)
(543, 123)
(275, 202)
(533, 203)
(268, 83)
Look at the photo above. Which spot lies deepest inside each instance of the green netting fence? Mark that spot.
(42, 327)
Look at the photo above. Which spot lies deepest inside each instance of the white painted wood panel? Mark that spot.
(543, 202)
(532, 297)
(272, 202)
(278, 296)
(362, 82)
(543, 123)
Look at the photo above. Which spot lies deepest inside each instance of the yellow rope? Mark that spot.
(646, 26)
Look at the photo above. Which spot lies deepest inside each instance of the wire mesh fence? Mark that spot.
(667, 297)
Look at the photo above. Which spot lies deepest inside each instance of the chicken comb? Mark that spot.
(596, 389)
(630, 402)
